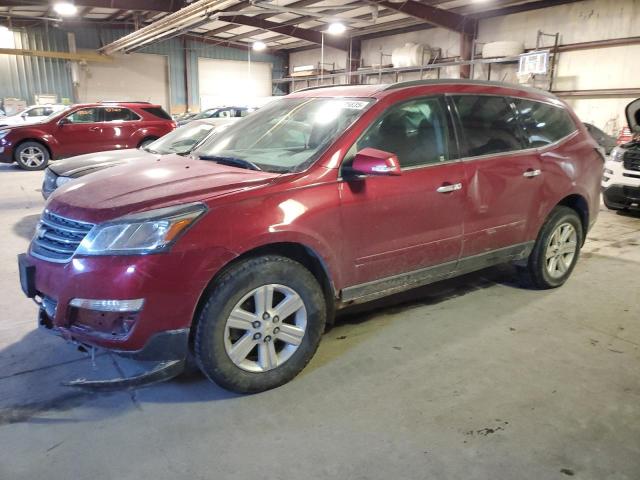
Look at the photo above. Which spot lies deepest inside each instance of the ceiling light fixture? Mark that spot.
(336, 28)
(259, 46)
(65, 9)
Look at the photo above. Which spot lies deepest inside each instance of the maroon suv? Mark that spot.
(240, 254)
(84, 128)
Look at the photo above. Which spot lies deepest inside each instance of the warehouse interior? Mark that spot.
(475, 375)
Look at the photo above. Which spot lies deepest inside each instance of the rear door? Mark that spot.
(502, 173)
(397, 224)
(118, 126)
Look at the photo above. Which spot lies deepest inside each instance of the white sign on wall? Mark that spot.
(534, 63)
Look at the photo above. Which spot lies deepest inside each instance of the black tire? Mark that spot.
(536, 273)
(236, 283)
(31, 156)
(146, 142)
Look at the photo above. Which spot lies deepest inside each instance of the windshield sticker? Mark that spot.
(352, 105)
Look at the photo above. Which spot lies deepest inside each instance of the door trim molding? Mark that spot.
(383, 287)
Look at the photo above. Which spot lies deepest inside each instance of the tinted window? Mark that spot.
(416, 131)
(118, 114)
(85, 115)
(544, 124)
(158, 112)
(489, 125)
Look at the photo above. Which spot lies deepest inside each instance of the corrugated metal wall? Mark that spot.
(23, 77)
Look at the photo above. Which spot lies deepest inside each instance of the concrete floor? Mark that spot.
(470, 379)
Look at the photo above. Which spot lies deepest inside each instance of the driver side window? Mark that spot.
(417, 131)
(85, 115)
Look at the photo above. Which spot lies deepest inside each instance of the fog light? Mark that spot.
(134, 305)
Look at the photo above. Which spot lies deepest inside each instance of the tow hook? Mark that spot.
(161, 372)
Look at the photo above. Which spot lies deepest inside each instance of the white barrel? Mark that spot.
(410, 55)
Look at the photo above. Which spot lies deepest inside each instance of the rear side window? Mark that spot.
(157, 112)
(119, 114)
(489, 125)
(543, 123)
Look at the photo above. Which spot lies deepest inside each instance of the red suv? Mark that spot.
(240, 254)
(84, 128)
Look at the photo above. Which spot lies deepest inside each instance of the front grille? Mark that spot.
(57, 238)
(632, 160)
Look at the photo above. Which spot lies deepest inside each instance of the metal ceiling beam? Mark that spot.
(435, 16)
(289, 30)
(155, 5)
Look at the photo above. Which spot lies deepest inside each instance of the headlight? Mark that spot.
(147, 232)
(616, 154)
(62, 180)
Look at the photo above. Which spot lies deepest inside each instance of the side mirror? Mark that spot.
(63, 121)
(371, 161)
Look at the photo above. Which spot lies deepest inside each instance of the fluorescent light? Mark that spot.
(66, 9)
(258, 46)
(336, 28)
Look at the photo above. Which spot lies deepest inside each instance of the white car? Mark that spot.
(621, 179)
(31, 114)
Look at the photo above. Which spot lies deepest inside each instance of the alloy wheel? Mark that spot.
(265, 328)
(32, 157)
(561, 250)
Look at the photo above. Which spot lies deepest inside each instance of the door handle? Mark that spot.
(94, 129)
(532, 173)
(448, 188)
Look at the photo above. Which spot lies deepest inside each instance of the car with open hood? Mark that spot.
(621, 178)
(178, 142)
(239, 254)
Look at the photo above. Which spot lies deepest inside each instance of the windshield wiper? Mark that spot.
(232, 161)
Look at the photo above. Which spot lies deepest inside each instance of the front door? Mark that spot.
(502, 174)
(80, 132)
(395, 225)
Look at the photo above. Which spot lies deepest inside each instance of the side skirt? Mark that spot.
(383, 287)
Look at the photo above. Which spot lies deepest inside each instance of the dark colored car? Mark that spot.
(240, 254)
(84, 128)
(219, 113)
(606, 141)
(180, 141)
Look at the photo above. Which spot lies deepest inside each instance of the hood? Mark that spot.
(633, 115)
(83, 164)
(134, 187)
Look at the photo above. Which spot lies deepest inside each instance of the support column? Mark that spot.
(466, 52)
(355, 52)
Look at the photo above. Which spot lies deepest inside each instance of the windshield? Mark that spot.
(181, 140)
(285, 136)
(55, 114)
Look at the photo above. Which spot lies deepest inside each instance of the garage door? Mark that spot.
(227, 82)
(136, 76)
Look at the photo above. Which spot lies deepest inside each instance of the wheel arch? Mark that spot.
(298, 252)
(580, 205)
(34, 139)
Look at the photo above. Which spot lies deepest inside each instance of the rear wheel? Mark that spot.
(556, 250)
(261, 324)
(31, 156)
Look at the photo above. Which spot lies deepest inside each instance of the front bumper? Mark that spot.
(170, 284)
(622, 196)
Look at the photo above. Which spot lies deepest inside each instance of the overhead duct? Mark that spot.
(196, 14)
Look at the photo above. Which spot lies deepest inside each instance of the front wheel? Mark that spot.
(261, 324)
(556, 250)
(31, 156)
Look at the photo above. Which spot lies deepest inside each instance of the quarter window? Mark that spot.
(543, 123)
(416, 131)
(489, 125)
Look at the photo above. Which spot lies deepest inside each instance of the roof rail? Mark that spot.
(326, 86)
(124, 101)
(464, 81)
